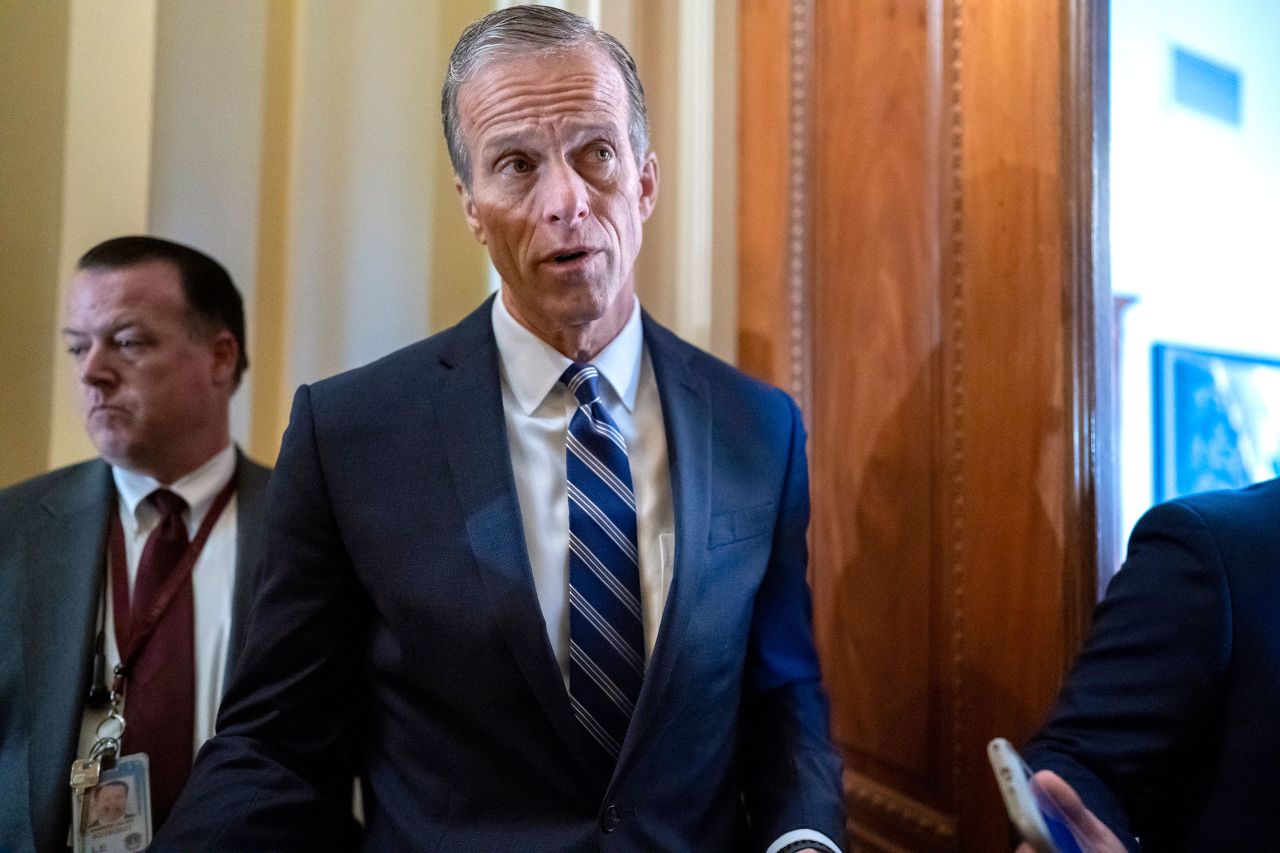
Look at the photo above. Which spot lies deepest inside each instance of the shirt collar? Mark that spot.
(198, 488)
(532, 367)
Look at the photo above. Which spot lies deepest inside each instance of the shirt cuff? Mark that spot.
(810, 835)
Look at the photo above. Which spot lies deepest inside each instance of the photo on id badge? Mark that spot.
(116, 813)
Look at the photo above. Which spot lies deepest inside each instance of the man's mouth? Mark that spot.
(571, 254)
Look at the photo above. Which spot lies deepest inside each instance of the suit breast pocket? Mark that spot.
(739, 524)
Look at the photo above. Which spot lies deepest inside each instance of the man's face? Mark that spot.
(109, 803)
(555, 194)
(155, 396)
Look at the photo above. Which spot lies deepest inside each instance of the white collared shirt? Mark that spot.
(213, 579)
(537, 410)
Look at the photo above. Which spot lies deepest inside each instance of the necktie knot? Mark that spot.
(583, 382)
(167, 503)
(165, 545)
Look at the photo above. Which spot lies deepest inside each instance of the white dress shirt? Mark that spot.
(213, 580)
(537, 410)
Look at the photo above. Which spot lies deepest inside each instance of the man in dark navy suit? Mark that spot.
(539, 579)
(1167, 732)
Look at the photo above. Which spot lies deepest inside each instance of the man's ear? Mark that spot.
(648, 185)
(226, 352)
(469, 210)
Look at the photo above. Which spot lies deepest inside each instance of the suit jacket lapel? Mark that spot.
(472, 427)
(66, 554)
(251, 492)
(686, 414)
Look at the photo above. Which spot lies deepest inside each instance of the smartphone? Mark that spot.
(1032, 812)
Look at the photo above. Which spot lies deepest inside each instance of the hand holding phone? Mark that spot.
(1035, 814)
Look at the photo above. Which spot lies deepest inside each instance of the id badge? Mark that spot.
(114, 816)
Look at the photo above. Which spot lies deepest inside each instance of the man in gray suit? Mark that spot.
(125, 580)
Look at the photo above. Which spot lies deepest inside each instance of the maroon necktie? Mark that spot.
(160, 693)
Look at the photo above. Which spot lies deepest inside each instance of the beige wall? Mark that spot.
(33, 59)
(207, 140)
(106, 172)
(298, 142)
(77, 117)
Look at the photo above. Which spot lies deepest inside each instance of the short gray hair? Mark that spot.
(540, 29)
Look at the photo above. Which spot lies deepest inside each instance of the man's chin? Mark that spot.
(573, 309)
(586, 303)
(116, 449)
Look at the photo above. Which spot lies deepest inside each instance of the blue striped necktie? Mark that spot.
(606, 633)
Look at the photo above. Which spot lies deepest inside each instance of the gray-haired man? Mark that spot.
(539, 578)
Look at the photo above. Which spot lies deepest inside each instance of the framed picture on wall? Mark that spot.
(1217, 419)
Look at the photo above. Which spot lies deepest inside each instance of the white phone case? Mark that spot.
(1012, 776)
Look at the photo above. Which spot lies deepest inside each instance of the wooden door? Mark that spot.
(917, 183)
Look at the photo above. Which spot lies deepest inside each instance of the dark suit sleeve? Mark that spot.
(790, 769)
(1148, 683)
(278, 774)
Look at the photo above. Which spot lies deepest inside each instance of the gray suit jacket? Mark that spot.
(52, 549)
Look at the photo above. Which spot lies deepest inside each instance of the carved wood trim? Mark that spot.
(764, 190)
(923, 284)
(953, 277)
(1093, 476)
(907, 815)
(799, 239)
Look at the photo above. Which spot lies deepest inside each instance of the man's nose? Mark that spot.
(565, 195)
(96, 366)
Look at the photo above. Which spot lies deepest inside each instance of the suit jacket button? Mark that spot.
(609, 820)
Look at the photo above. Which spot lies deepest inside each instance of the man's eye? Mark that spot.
(517, 166)
(604, 153)
(77, 350)
(129, 344)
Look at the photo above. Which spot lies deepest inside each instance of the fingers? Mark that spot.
(1096, 836)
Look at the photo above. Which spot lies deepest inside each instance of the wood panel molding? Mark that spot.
(765, 294)
(917, 262)
(952, 208)
(1091, 318)
(917, 265)
(905, 816)
(799, 239)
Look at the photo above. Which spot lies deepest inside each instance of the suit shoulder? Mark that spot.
(252, 469)
(722, 378)
(1231, 531)
(1259, 500)
(1242, 514)
(30, 492)
(253, 478)
(386, 377)
(391, 367)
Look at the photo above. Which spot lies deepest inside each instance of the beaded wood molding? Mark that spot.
(798, 238)
(915, 818)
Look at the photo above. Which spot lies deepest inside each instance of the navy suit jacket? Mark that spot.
(398, 633)
(1169, 724)
(53, 533)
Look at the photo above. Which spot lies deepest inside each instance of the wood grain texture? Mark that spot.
(764, 128)
(1016, 422)
(875, 380)
(951, 339)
